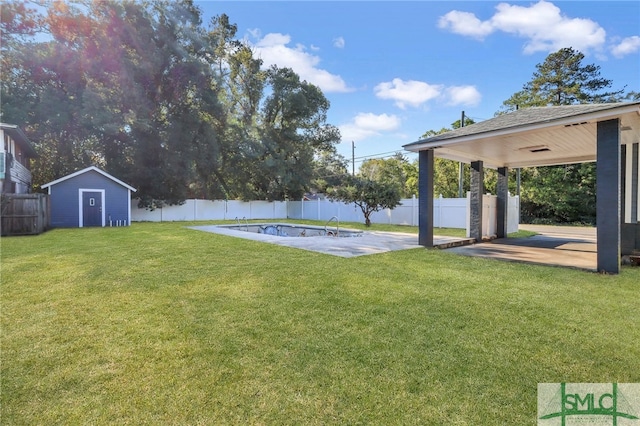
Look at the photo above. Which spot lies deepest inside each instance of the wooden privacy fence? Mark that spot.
(24, 214)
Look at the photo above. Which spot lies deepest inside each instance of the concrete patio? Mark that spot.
(572, 247)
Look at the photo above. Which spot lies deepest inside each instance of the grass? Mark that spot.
(159, 324)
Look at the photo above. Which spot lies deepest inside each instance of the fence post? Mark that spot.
(414, 211)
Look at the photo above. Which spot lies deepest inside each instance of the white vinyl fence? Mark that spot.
(447, 212)
(212, 210)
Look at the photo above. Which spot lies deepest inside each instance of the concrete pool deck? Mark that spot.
(573, 247)
(370, 242)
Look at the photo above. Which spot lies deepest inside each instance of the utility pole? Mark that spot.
(461, 168)
(353, 158)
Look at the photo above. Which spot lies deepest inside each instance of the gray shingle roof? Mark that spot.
(523, 117)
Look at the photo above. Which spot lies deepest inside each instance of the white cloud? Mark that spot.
(463, 95)
(365, 125)
(465, 23)
(339, 42)
(410, 92)
(542, 24)
(273, 49)
(381, 122)
(416, 93)
(627, 46)
(547, 29)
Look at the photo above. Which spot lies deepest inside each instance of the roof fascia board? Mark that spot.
(72, 175)
(592, 116)
(85, 170)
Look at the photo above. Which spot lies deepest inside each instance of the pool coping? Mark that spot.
(370, 242)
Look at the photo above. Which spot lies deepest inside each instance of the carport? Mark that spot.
(608, 134)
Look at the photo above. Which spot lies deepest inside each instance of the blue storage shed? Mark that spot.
(89, 197)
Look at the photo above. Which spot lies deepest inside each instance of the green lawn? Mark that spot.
(159, 324)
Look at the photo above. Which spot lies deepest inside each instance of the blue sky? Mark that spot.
(395, 69)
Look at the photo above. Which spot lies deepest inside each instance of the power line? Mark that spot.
(378, 154)
(388, 154)
(382, 156)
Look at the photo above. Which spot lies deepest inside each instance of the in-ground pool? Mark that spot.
(291, 230)
(320, 238)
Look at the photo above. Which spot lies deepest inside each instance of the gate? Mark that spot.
(24, 214)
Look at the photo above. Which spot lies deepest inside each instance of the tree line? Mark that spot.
(173, 107)
(180, 109)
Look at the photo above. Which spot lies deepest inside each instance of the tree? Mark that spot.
(412, 176)
(370, 195)
(564, 193)
(562, 79)
(224, 168)
(293, 129)
(447, 172)
(329, 171)
(396, 170)
(559, 194)
(143, 90)
(115, 85)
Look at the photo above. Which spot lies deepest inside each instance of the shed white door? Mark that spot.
(91, 209)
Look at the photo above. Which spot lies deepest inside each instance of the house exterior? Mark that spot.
(89, 197)
(16, 153)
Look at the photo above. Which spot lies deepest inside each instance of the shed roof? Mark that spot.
(535, 136)
(18, 135)
(88, 169)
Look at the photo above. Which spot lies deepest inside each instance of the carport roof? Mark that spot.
(536, 136)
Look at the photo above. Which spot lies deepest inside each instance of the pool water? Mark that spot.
(291, 230)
